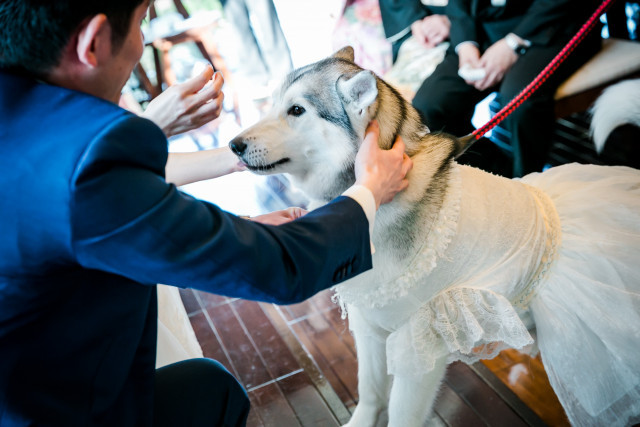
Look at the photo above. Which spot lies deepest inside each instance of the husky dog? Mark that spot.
(464, 261)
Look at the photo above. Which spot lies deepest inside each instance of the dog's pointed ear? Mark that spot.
(345, 53)
(360, 91)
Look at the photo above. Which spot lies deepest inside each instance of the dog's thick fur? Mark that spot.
(312, 133)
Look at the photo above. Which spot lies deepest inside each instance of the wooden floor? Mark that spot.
(299, 366)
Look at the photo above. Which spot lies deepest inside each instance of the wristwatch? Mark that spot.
(516, 44)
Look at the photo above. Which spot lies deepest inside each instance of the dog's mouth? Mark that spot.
(267, 168)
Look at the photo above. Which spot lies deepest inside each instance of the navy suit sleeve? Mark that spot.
(128, 221)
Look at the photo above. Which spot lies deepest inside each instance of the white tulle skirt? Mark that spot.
(587, 314)
(176, 338)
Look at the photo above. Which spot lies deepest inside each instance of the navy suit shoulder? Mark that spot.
(69, 337)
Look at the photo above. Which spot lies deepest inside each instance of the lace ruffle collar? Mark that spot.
(371, 295)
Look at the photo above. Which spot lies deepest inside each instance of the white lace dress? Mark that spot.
(561, 248)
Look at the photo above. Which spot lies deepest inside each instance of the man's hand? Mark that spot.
(431, 30)
(382, 171)
(468, 54)
(188, 105)
(496, 61)
(279, 217)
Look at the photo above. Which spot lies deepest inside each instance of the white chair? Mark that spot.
(618, 60)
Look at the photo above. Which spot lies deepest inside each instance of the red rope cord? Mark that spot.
(544, 74)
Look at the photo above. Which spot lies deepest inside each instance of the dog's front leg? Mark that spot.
(412, 397)
(373, 381)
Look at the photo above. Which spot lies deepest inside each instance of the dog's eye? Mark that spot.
(296, 111)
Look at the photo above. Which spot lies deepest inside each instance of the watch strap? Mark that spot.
(515, 44)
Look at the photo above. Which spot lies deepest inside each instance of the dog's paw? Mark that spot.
(368, 416)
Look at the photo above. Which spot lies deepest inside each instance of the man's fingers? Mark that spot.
(371, 135)
(209, 92)
(491, 79)
(398, 145)
(404, 184)
(407, 163)
(196, 83)
(372, 128)
(211, 110)
(297, 212)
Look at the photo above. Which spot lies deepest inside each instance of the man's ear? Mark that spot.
(94, 41)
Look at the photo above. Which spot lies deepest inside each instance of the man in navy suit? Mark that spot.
(90, 225)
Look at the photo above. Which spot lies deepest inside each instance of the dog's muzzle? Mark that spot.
(238, 146)
(253, 159)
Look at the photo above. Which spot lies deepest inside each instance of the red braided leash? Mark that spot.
(541, 78)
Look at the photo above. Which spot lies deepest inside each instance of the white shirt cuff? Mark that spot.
(394, 38)
(468, 41)
(364, 197)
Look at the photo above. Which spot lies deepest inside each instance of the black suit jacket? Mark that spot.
(89, 226)
(397, 17)
(542, 22)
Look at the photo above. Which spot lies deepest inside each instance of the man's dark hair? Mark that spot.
(33, 33)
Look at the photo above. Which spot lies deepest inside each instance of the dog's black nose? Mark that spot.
(238, 146)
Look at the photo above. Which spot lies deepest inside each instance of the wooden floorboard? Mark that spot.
(271, 407)
(330, 354)
(309, 405)
(487, 404)
(454, 411)
(319, 379)
(299, 366)
(507, 395)
(273, 352)
(526, 377)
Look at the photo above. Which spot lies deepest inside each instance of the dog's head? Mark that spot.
(315, 127)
